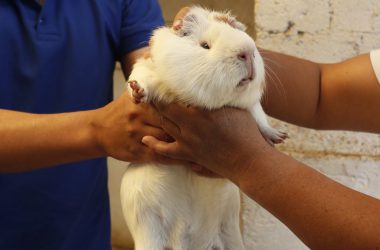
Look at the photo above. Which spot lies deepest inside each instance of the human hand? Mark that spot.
(226, 141)
(119, 127)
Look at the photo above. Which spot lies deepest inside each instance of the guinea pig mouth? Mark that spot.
(245, 81)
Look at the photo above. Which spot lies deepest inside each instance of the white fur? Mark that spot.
(170, 207)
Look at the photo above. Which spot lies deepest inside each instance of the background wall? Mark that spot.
(323, 31)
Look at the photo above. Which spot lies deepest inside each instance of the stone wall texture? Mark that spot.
(323, 31)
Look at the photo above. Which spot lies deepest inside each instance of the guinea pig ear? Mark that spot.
(192, 22)
(230, 20)
(185, 26)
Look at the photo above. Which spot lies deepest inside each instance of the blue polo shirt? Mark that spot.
(60, 58)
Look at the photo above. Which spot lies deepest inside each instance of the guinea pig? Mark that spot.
(210, 62)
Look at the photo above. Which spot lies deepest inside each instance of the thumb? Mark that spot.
(169, 149)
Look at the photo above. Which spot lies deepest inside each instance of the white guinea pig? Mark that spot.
(209, 62)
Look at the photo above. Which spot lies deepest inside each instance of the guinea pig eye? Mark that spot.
(205, 45)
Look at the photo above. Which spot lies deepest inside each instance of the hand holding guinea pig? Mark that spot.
(225, 140)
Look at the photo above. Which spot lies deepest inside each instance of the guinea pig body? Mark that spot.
(170, 207)
(209, 62)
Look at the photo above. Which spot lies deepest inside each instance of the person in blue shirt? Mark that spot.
(58, 119)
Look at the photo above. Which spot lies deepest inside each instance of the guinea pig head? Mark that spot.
(209, 61)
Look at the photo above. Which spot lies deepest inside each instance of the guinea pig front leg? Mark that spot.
(142, 81)
(138, 92)
(273, 136)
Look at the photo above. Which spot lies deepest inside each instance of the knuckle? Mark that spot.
(133, 115)
(131, 132)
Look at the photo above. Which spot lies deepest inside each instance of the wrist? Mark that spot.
(260, 168)
(90, 134)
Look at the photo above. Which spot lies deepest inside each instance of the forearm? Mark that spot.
(292, 88)
(321, 212)
(341, 96)
(32, 141)
(350, 96)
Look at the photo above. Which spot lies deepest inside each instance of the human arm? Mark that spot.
(114, 130)
(343, 96)
(321, 212)
(32, 141)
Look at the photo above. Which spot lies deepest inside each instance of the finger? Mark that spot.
(170, 127)
(168, 161)
(151, 116)
(173, 111)
(158, 133)
(202, 171)
(164, 148)
(177, 24)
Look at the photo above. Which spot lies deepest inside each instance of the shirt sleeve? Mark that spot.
(139, 19)
(375, 59)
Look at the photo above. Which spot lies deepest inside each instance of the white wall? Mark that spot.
(324, 31)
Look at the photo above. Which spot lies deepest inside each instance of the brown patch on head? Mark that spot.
(225, 18)
(177, 23)
(230, 20)
(182, 13)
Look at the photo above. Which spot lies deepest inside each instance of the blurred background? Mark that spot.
(324, 31)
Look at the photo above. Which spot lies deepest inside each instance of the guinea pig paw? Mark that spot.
(273, 136)
(138, 93)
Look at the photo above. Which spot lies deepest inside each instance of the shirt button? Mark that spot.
(42, 20)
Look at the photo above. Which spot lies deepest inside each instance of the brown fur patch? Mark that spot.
(225, 18)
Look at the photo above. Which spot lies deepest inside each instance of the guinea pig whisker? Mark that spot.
(272, 74)
(276, 81)
(265, 59)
